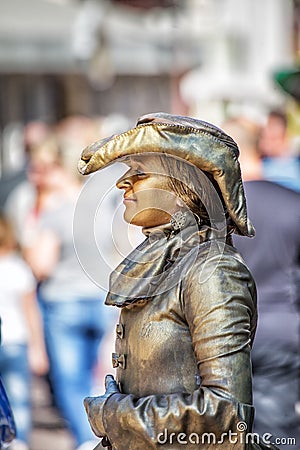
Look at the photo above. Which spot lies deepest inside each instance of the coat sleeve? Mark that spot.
(218, 305)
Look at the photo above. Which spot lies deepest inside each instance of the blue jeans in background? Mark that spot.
(16, 377)
(73, 332)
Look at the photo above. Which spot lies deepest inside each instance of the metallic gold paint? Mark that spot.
(197, 142)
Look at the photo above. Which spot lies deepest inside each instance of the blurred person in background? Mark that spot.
(37, 193)
(17, 139)
(23, 348)
(42, 210)
(273, 257)
(13, 180)
(35, 132)
(71, 305)
(281, 163)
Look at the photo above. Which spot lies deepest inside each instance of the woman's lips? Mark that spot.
(127, 200)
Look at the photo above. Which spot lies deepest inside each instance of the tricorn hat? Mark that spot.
(200, 143)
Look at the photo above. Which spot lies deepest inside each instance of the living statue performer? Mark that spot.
(187, 300)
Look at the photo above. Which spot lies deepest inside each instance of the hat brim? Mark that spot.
(197, 145)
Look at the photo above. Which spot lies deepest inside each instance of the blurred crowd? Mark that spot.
(54, 323)
(270, 167)
(53, 314)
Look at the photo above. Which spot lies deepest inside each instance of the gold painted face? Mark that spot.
(148, 199)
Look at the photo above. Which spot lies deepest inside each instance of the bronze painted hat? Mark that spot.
(199, 143)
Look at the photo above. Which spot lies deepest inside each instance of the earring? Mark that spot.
(178, 220)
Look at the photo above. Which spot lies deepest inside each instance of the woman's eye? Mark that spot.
(140, 173)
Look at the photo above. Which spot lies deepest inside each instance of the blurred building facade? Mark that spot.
(98, 57)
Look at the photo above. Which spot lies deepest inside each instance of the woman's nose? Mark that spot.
(125, 182)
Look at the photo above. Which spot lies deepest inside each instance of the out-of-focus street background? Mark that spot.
(75, 71)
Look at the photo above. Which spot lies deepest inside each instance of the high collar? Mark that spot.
(159, 230)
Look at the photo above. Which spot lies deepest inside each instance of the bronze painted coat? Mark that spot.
(187, 322)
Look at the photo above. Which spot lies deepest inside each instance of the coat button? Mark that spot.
(120, 331)
(118, 361)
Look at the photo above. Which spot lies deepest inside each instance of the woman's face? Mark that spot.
(148, 199)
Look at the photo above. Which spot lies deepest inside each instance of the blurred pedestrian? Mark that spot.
(281, 163)
(70, 302)
(42, 210)
(23, 348)
(273, 256)
(36, 194)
